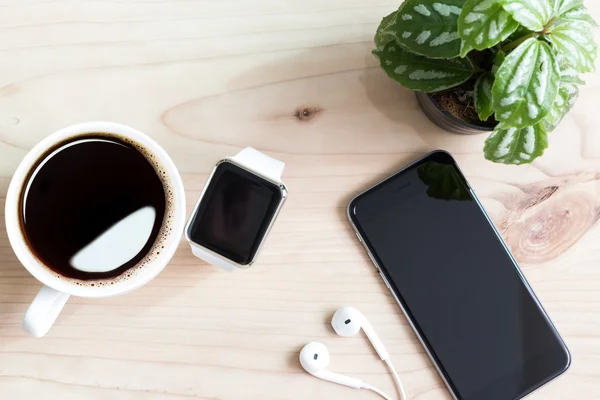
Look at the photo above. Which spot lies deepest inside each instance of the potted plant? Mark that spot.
(507, 66)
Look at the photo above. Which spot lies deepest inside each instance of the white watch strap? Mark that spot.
(261, 163)
(212, 259)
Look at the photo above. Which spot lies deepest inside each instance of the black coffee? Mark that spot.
(93, 207)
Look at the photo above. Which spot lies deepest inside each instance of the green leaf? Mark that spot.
(562, 6)
(443, 181)
(483, 24)
(498, 61)
(519, 33)
(421, 73)
(483, 96)
(510, 145)
(567, 96)
(580, 14)
(568, 73)
(526, 84)
(384, 32)
(429, 27)
(575, 42)
(533, 14)
(570, 93)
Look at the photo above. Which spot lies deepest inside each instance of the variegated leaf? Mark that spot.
(562, 6)
(575, 42)
(567, 96)
(483, 96)
(533, 14)
(526, 84)
(483, 24)
(498, 60)
(568, 74)
(429, 27)
(519, 33)
(510, 145)
(385, 31)
(571, 93)
(580, 14)
(416, 72)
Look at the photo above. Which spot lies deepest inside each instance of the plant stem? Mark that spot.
(548, 26)
(514, 44)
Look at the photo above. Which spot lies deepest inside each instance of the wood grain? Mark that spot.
(294, 79)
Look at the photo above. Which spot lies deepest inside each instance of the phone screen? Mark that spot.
(457, 282)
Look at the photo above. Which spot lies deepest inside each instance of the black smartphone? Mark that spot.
(457, 283)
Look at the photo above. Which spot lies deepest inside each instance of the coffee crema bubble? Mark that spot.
(97, 208)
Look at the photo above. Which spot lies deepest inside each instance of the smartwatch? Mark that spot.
(236, 209)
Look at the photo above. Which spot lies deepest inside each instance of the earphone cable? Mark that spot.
(396, 379)
(379, 392)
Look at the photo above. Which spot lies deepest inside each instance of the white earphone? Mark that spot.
(347, 322)
(315, 357)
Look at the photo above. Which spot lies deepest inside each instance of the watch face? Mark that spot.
(235, 213)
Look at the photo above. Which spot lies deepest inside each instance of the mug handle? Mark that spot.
(43, 311)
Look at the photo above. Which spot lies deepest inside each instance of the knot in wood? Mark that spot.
(544, 231)
(306, 113)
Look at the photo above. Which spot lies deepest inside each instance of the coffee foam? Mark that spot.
(163, 235)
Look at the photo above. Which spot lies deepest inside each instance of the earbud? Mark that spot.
(348, 321)
(315, 358)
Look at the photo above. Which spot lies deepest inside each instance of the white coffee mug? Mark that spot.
(50, 300)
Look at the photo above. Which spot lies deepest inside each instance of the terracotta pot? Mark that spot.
(447, 121)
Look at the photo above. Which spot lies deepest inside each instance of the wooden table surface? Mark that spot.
(206, 78)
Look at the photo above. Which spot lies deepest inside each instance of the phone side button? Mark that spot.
(385, 281)
(373, 260)
(358, 236)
